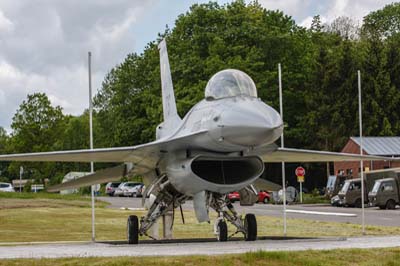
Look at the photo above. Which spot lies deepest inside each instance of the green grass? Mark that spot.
(351, 257)
(313, 199)
(41, 195)
(30, 220)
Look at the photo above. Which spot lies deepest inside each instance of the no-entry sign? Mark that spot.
(300, 171)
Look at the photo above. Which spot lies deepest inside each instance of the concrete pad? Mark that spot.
(197, 248)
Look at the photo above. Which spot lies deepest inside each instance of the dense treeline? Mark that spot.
(319, 76)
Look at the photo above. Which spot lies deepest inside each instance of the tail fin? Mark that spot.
(168, 97)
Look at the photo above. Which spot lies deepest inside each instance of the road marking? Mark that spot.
(323, 213)
(133, 209)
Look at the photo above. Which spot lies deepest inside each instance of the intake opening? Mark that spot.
(227, 171)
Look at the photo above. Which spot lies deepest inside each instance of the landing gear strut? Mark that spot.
(162, 205)
(226, 211)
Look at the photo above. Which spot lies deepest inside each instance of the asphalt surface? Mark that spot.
(60, 250)
(373, 216)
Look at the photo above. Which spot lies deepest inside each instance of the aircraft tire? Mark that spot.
(222, 231)
(132, 230)
(250, 224)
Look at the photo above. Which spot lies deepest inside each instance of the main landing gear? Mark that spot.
(226, 212)
(168, 199)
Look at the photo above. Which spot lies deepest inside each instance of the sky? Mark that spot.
(44, 44)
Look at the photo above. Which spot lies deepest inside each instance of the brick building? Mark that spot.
(382, 146)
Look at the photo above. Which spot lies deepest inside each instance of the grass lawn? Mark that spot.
(69, 219)
(351, 257)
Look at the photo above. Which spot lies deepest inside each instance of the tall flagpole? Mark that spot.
(361, 153)
(91, 142)
(282, 145)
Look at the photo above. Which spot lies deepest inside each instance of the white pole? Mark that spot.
(361, 153)
(21, 171)
(282, 145)
(91, 142)
(301, 192)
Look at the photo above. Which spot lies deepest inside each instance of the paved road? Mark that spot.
(373, 216)
(173, 249)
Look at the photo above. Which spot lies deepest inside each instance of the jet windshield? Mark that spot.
(229, 83)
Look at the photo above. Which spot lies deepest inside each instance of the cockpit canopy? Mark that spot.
(229, 83)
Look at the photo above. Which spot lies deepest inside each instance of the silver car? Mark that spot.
(120, 190)
(134, 190)
(6, 187)
(111, 187)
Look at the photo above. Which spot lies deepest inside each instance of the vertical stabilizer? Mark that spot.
(168, 97)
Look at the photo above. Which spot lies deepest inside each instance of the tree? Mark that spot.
(37, 126)
(205, 40)
(3, 146)
(382, 23)
(344, 27)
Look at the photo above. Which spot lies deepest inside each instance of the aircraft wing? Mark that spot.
(99, 177)
(144, 157)
(300, 155)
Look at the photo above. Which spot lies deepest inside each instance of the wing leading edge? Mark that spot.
(143, 156)
(301, 155)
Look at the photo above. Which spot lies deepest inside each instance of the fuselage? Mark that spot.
(214, 161)
(233, 124)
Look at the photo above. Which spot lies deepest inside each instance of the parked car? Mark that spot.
(335, 201)
(264, 197)
(118, 192)
(110, 188)
(234, 196)
(133, 190)
(6, 187)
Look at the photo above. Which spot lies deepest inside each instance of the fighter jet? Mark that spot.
(219, 146)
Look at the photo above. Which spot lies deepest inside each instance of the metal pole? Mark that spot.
(301, 192)
(91, 142)
(361, 153)
(21, 170)
(282, 145)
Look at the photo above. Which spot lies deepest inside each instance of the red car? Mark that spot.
(234, 196)
(263, 196)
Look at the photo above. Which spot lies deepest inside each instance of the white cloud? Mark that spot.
(44, 47)
(6, 24)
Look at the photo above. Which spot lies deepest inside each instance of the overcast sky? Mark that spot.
(44, 44)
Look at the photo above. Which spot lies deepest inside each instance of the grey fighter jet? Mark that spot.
(218, 147)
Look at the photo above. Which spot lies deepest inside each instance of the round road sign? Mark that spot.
(300, 171)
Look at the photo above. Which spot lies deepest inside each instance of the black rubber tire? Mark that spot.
(250, 224)
(222, 231)
(390, 205)
(357, 203)
(132, 230)
(265, 200)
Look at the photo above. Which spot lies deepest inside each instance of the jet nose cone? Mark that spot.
(251, 123)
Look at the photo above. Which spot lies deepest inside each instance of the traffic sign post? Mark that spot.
(300, 173)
